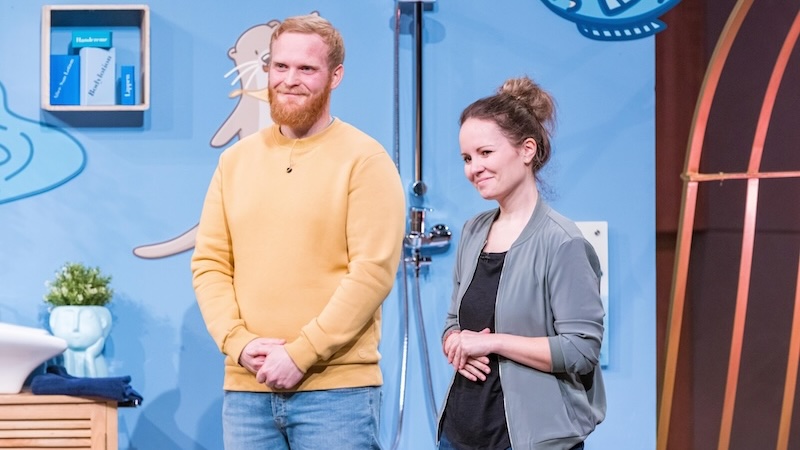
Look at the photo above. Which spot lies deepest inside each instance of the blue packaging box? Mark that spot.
(127, 85)
(65, 81)
(98, 76)
(90, 38)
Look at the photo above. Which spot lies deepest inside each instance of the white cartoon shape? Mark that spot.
(251, 58)
(250, 55)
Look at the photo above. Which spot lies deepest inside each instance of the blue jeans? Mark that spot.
(332, 419)
(445, 444)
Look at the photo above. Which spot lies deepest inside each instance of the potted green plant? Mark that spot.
(79, 285)
(79, 295)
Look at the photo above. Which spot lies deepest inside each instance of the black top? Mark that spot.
(474, 417)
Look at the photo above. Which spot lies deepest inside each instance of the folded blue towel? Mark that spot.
(58, 382)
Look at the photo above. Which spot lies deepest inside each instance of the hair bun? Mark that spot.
(530, 95)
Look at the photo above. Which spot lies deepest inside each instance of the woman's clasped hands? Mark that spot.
(467, 351)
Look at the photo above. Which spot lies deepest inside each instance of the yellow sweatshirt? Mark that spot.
(306, 256)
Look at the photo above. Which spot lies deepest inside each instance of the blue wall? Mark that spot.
(145, 183)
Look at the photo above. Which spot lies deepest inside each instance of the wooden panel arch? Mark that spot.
(691, 179)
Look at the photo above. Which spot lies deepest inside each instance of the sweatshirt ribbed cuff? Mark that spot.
(302, 353)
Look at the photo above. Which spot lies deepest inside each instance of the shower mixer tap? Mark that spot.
(418, 238)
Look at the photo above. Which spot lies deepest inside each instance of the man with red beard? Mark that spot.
(298, 245)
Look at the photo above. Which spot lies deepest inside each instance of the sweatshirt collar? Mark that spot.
(307, 142)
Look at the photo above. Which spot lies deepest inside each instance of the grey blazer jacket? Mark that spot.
(550, 286)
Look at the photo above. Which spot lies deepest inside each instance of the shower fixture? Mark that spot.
(419, 242)
(418, 187)
(417, 237)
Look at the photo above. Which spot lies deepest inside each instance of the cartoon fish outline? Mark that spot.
(23, 157)
(613, 20)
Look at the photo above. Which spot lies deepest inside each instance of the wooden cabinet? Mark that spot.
(130, 28)
(57, 421)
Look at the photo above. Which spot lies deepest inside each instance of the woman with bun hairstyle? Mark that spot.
(525, 323)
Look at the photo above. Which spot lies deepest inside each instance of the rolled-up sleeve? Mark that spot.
(574, 279)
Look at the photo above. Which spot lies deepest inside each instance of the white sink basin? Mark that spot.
(23, 349)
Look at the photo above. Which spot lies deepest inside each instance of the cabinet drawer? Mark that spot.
(57, 421)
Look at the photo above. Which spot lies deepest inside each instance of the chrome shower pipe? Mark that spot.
(438, 237)
(403, 363)
(426, 356)
(396, 87)
(404, 295)
(418, 188)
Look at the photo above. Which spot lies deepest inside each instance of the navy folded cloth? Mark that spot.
(58, 382)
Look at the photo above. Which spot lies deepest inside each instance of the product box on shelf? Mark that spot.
(98, 76)
(127, 85)
(65, 84)
(90, 38)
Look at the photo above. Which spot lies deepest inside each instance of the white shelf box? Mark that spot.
(130, 27)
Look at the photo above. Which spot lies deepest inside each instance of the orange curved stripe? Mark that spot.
(691, 178)
(748, 235)
(791, 372)
(686, 225)
(772, 93)
(709, 88)
(790, 386)
(740, 313)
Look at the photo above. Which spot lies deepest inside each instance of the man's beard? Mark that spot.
(299, 115)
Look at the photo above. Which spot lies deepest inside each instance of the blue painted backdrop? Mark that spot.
(145, 183)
